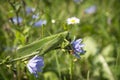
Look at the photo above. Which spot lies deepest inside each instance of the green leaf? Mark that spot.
(46, 44)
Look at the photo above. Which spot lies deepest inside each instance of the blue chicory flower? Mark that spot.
(90, 10)
(17, 20)
(78, 1)
(77, 47)
(35, 64)
(35, 16)
(29, 10)
(40, 23)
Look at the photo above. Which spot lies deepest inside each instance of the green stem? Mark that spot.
(71, 68)
(58, 66)
(88, 75)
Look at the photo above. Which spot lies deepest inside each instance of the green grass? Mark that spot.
(100, 33)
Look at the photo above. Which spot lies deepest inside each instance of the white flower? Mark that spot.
(73, 20)
(53, 21)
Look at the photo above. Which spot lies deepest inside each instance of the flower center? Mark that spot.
(73, 21)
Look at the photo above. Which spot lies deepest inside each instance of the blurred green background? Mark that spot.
(99, 28)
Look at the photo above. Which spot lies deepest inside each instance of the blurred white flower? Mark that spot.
(73, 20)
(53, 21)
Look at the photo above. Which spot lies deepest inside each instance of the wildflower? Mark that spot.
(78, 1)
(16, 20)
(35, 16)
(40, 23)
(29, 10)
(35, 64)
(53, 21)
(73, 20)
(90, 10)
(77, 47)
